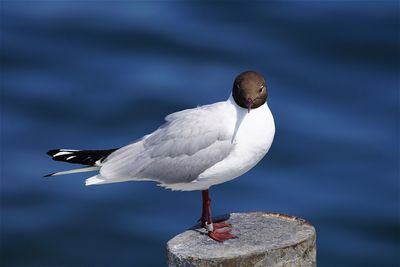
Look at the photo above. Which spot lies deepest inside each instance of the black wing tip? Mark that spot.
(48, 175)
(52, 152)
(83, 157)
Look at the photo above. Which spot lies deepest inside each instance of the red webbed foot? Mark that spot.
(217, 224)
(221, 235)
(221, 224)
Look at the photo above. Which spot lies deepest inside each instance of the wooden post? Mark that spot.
(264, 239)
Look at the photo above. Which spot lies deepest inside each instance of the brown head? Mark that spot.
(249, 90)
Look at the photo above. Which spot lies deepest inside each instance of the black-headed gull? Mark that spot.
(193, 150)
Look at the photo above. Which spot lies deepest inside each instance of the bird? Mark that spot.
(193, 150)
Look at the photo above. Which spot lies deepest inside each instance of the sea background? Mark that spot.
(100, 74)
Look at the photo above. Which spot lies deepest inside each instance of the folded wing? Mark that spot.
(190, 142)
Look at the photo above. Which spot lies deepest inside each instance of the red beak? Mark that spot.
(249, 104)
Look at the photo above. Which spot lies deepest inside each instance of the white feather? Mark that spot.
(86, 169)
(93, 180)
(62, 153)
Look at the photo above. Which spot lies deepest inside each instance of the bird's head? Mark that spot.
(249, 90)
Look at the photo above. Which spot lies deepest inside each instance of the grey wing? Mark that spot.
(189, 143)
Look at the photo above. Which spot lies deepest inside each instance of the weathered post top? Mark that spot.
(264, 239)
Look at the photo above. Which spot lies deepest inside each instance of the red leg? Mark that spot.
(215, 229)
(205, 198)
(206, 209)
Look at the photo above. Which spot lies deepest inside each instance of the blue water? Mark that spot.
(86, 74)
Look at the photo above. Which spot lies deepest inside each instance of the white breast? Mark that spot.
(253, 135)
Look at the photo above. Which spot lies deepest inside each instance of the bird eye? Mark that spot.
(260, 90)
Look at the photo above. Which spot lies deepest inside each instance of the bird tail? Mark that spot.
(91, 158)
